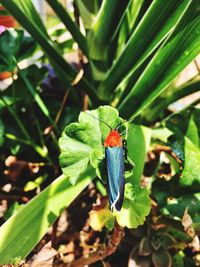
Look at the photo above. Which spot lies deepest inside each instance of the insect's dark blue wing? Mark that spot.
(116, 180)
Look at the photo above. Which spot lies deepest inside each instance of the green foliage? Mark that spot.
(136, 207)
(134, 50)
(81, 150)
(14, 46)
(185, 143)
(34, 219)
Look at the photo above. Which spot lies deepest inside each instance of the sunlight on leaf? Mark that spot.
(136, 207)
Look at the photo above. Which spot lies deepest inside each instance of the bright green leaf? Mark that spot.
(137, 143)
(82, 143)
(136, 207)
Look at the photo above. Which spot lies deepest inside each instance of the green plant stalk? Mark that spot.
(37, 148)
(15, 138)
(65, 72)
(69, 24)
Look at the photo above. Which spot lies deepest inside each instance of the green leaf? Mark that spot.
(14, 208)
(128, 23)
(81, 143)
(82, 148)
(177, 206)
(172, 94)
(186, 124)
(14, 45)
(185, 143)
(87, 10)
(177, 260)
(136, 207)
(104, 26)
(31, 185)
(179, 49)
(138, 143)
(17, 91)
(21, 233)
(155, 25)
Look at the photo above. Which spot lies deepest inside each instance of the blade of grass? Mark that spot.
(21, 233)
(69, 24)
(155, 25)
(182, 46)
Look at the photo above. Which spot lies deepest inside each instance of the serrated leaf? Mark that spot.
(81, 143)
(136, 207)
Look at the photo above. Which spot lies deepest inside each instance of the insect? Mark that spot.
(115, 151)
(115, 154)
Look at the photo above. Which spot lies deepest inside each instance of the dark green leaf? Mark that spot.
(185, 143)
(14, 45)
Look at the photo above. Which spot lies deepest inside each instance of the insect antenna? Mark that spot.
(129, 120)
(100, 120)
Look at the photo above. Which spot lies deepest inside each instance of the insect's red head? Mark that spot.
(113, 139)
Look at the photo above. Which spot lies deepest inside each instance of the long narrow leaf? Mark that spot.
(104, 27)
(156, 24)
(24, 230)
(163, 101)
(30, 11)
(69, 23)
(179, 50)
